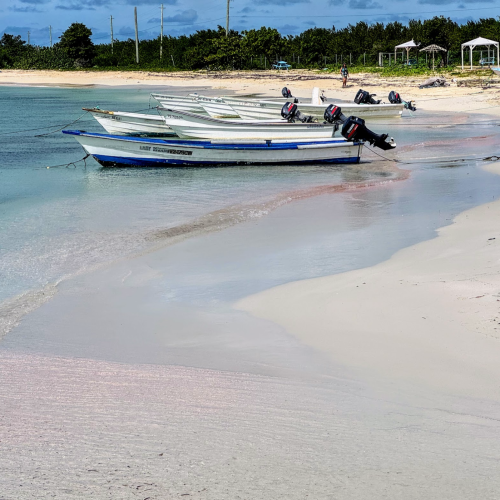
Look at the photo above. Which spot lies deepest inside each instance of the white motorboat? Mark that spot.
(191, 125)
(271, 109)
(121, 123)
(182, 103)
(114, 150)
(216, 107)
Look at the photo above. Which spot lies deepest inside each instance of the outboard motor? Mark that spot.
(286, 92)
(395, 98)
(290, 113)
(333, 114)
(364, 97)
(354, 129)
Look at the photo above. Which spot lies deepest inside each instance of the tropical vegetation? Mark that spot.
(359, 45)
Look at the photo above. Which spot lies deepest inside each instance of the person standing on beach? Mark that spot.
(345, 73)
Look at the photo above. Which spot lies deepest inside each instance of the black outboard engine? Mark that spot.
(395, 98)
(333, 114)
(286, 92)
(364, 97)
(354, 129)
(290, 113)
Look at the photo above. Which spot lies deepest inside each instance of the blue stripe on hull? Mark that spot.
(112, 161)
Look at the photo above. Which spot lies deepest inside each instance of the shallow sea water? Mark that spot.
(139, 379)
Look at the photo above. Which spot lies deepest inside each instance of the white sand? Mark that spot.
(453, 98)
(429, 315)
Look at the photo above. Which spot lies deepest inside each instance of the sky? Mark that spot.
(17, 17)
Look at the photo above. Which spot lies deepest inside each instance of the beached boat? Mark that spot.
(216, 107)
(182, 103)
(268, 110)
(190, 125)
(121, 123)
(114, 150)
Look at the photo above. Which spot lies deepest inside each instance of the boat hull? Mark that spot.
(179, 103)
(268, 110)
(193, 126)
(121, 123)
(216, 107)
(134, 151)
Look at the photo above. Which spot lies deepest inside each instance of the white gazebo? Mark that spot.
(408, 46)
(475, 43)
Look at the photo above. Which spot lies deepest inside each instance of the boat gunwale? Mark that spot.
(229, 145)
(123, 113)
(246, 123)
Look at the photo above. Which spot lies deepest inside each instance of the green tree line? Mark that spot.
(357, 44)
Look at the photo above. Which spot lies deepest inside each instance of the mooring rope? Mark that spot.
(59, 129)
(440, 159)
(84, 159)
(59, 125)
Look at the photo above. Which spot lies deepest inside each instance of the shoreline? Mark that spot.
(428, 316)
(15, 301)
(139, 377)
(301, 82)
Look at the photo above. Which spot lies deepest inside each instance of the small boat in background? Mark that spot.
(182, 103)
(271, 109)
(191, 125)
(121, 123)
(216, 107)
(113, 150)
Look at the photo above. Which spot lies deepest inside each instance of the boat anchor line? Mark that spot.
(59, 129)
(84, 159)
(439, 159)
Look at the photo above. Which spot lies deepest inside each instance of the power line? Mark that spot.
(376, 15)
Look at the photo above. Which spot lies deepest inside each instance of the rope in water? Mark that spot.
(59, 125)
(59, 129)
(84, 159)
(440, 159)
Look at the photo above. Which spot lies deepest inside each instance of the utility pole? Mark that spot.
(227, 19)
(136, 37)
(161, 34)
(50, 31)
(29, 38)
(111, 22)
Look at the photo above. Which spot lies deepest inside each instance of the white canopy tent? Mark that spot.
(475, 43)
(408, 46)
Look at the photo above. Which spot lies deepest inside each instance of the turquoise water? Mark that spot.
(58, 221)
